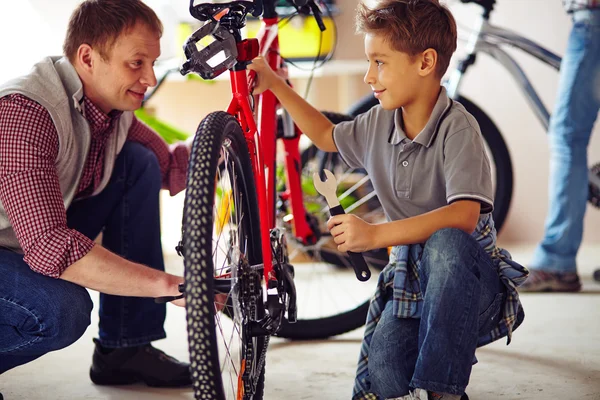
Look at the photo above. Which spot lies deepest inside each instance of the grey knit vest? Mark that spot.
(54, 84)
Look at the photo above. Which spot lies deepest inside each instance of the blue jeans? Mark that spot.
(39, 314)
(576, 109)
(462, 299)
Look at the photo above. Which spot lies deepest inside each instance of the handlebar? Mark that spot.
(488, 6)
(225, 21)
(207, 11)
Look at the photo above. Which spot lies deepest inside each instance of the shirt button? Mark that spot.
(405, 163)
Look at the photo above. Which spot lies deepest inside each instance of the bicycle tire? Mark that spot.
(502, 164)
(351, 315)
(219, 155)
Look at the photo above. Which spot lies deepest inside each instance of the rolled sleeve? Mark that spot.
(173, 160)
(30, 190)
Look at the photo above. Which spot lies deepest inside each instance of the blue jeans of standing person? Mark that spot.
(571, 124)
(462, 299)
(39, 314)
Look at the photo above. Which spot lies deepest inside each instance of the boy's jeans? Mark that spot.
(39, 314)
(462, 297)
(576, 109)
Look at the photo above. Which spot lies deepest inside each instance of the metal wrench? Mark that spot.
(328, 189)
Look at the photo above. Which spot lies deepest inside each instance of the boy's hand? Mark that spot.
(351, 233)
(265, 76)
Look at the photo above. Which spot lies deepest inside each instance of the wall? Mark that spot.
(184, 103)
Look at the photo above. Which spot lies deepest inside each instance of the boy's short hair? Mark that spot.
(99, 23)
(411, 26)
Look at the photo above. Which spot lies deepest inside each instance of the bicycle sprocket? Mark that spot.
(594, 191)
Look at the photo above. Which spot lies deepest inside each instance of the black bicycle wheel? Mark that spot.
(502, 171)
(221, 241)
(331, 301)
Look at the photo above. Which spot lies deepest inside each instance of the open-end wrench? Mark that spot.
(328, 189)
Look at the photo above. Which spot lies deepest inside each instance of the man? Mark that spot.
(74, 162)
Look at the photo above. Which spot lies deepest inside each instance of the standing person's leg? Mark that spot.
(578, 99)
(462, 299)
(38, 314)
(127, 214)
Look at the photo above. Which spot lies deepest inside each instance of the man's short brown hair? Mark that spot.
(412, 26)
(99, 23)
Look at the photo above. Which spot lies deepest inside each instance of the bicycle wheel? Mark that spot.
(502, 171)
(221, 244)
(330, 299)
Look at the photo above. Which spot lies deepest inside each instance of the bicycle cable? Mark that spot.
(327, 58)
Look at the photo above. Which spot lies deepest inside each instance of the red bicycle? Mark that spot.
(244, 223)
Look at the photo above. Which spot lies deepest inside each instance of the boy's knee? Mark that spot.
(446, 248)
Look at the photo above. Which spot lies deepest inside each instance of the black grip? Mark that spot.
(166, 299)
(337, 210)
(361, 269)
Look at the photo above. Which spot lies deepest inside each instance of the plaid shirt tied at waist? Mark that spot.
(402, 274)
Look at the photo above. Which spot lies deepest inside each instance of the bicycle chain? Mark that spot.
(250, 281)
(594, 191)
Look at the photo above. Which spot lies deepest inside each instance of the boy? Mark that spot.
(447, 288)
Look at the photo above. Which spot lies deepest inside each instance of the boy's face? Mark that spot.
(392, 75)
(120, 81)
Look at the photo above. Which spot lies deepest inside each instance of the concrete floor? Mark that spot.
(554, 355)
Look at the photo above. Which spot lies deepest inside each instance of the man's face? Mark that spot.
(119, 81)
(392, 75)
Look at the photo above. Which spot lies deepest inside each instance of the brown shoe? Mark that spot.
(542, 281)
(145, 364)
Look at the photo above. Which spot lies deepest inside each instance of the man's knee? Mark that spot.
(59, 323)
(143, 164)
(68, 319)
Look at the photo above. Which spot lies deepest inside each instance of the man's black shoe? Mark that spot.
(137, 364)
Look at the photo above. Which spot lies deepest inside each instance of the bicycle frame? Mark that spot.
(489, 39)
(262, 146)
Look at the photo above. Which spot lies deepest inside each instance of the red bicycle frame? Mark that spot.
(262, 144)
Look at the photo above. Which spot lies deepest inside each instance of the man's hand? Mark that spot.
(351, 233)
(179, 302)
(220, 302)
(265, 76)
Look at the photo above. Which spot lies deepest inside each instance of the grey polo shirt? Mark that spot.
(445, 162)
